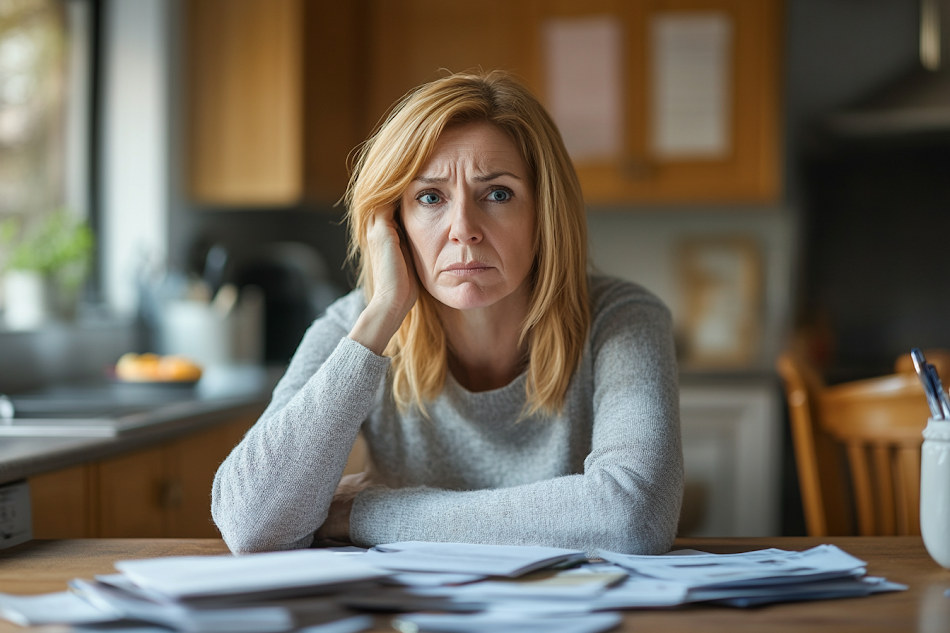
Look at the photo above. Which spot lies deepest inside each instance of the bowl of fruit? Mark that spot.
(154, 369)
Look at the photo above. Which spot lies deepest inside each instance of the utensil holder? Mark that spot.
(935, 490)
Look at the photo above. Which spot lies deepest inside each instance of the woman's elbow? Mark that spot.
(634, 533)
(238, 539)
(644, 525)
(242, 538)
(246, 530)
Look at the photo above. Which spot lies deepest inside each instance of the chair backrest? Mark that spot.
(822, 473)
(868, 428)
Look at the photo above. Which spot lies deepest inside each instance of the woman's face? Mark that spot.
(470, 216)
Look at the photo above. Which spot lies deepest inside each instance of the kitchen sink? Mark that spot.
(90, 411)
(106, 409)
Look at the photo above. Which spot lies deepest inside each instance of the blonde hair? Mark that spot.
(558, 319)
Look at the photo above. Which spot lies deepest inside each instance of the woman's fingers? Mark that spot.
(395, 285)
(393, 275)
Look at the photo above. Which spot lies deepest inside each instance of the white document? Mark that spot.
(691, 84)
(63, 607)
(642, 593)
(184, 577)
(585, 84)
(506, 623)
(347, 625)
(422, 579)
(561, 586)
(464, 558)
(263, 619)
(762, 567)
(816, 590)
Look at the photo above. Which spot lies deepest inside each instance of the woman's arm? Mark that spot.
(628, 497)
(275, 488)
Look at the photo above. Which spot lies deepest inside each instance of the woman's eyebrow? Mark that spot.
(434, 180)
(494, 175)
(430, 180)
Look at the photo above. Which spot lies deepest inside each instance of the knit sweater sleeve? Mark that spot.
(628, 497)
(274, 489)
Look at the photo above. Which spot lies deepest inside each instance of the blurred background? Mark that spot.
(777, 171)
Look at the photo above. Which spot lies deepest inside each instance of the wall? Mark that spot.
(837, 52)
(135, 148)
(642, 246)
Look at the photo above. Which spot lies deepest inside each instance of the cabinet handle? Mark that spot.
(172, 494)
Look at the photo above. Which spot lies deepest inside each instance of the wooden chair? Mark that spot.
(868, 429)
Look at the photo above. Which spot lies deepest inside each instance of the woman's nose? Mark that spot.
(465, 227)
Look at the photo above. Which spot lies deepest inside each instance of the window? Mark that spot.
(45, 114)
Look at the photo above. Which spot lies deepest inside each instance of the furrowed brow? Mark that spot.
(494, 175)
(430, 180)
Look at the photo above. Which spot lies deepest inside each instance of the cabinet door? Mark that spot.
(334, 89)
(414, 41)
(244, 95)
(61, 502)
(132, 494)
(730, 48)
(193, 462)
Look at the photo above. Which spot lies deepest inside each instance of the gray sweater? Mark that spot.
(605, 473)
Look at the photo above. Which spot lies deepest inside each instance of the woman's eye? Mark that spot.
(499, 195)
(429, 198)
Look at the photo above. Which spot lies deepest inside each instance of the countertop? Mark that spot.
(223, 394)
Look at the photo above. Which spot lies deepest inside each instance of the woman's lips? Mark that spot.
(471, 268)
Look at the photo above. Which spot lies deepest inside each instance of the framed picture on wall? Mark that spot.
(721, 284)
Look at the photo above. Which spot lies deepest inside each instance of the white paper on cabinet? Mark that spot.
(691, 56)
(585, 84)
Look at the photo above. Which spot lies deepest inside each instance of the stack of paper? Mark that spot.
(460, 588)
(760, 577)
(631, 582)
(484, 560)
(260, 593)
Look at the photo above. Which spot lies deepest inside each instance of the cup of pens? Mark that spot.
(935, 465)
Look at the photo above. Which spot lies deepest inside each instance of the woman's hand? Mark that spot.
(337, 525)
(395, 285)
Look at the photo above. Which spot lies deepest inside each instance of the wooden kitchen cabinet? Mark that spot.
(747, 169)
(270, 100)
(281, 91)
(161, 491)
(62, 503)
(413, 41)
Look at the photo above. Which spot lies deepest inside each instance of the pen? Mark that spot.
(930, 382)
(941, 395)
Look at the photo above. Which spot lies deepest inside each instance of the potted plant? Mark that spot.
(45, 268)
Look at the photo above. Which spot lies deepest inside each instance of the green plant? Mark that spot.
(59, 248)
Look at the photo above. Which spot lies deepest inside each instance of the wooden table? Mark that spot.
(45, 566)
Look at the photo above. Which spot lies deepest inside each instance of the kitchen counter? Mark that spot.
(223, 394)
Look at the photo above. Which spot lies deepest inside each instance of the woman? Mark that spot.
(505, 397)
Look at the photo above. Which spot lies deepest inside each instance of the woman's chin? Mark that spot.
(467, 296)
